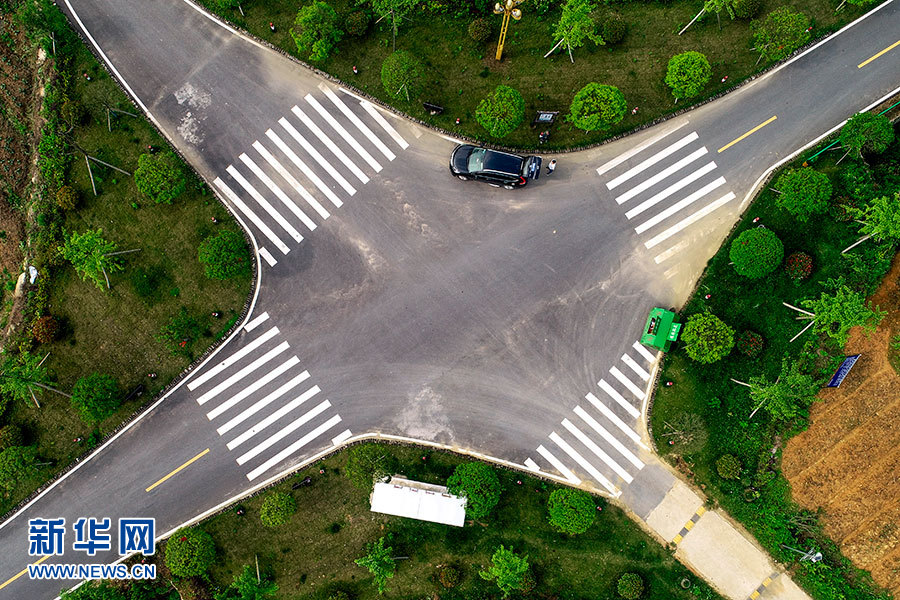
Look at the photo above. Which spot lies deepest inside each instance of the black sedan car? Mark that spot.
(494, 167)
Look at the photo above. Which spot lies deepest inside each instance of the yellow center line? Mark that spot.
(751, 132)
(20, 573)
(885, 51)
(185, 465)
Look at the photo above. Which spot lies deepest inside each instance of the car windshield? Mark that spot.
(476, 160)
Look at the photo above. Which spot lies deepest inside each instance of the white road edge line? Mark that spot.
(256, 343)
(689, 220)
(233, 198)
(294, 447)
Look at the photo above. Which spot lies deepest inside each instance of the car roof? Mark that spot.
(502, 162)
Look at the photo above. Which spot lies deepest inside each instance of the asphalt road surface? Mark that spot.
(397, 300)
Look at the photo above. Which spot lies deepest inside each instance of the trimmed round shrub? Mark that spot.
(749, 343)
(357, 23)
(479, 483)
(688, 73)
(277, 509)
(96, 397)
(747, 9)
(613, 29)
(804, 192)
(571, 511)
(501, 111)
(707, 338)
(401, 75)
(11, 435)
(798, 266)
(597, 107)
(480, 30)
(728, 467)
(630, 586)
(224, 255)
(190, 552)
(45, 329)
(160, 177)
(756, 252)
(66, 198)
(449, 576)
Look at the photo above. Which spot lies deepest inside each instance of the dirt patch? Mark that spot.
(848, 461)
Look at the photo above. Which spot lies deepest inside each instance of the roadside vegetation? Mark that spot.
(807, 254)
(114, 226)
(529, 538)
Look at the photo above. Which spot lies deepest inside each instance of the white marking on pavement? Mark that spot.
(339, 438)
(367, 106)
(290, 179)
(592, 471)
(708, 167)
(292, 131)
(671, 272)
(619, 398)
(610, 438)
(277, 191)
(652, 160)
(636, 150)
(685, 202)
(557, 464)
(294, 447)
(331, 145)
(233, 198)
(532, 465)
(598, 452)
(615, 372)
(642, 350)
(264, 204)
(686, 222)
(615, 419)
(261, 404)
(657, 177)
(277, 415)
(664, 256)
(638, 369)
(255, 386)
(343, 133)
(335, 99)
(256, 322)
(267, 256)
(256, 343)
(303, 167)
(243, 373)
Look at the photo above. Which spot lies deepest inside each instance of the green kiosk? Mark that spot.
(660, 330)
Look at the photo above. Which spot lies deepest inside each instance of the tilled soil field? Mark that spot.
(848, 461)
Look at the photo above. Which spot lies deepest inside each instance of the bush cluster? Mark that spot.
(613, 29)
(728, 467)
(502, 111)
(224, 255)
(479, 483)
(190, 552)
(597, 107)
(357, 23)
(45, 329)
(707, 338)
(747, 9)
(798, 266)
(449, 576)
(630, 586)
(756, 252)
(277, 509)
(480, 30)
(571, 511)
(749, 343)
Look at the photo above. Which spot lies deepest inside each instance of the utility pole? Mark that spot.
(507, 10)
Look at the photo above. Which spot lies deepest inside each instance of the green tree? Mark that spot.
(93, 590)
(224, 255)
(96, 397)
(93, 256)
(479, 483)
(247, 586)
(867, 132)
(575, 25)
(716, 6)
(160, 177)
(804, 192)
(780, 33)
(369, 462)
(728, 467)
(508, 570)
(630, 586)
(277, 509)
(16, 463)
(880, 218)
(686, 432)
(316, 30)
(379, 562)
(836, 313)
(571, 511)
(707, 338)
(687, 74)
(21, 373)
(597, 107)
(401, 75)
(501, 111)
(756, 252)
(190, 552)
(393, 11)
(789, 396)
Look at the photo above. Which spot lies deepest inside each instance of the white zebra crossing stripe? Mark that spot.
(351, 116)
(592, 471)
(688, 221)
(530, 464)
(255, 386)
(280, 413)
(598, 452)
(339, 438)
(557, 464)
(610, 439)
(648, 356)
(646, 164)
(243, 373)
(273, 162)
(363, 153)
(267, 181)
(615, 372)
(331, 145)
(657, 177)
(302, 166)
(638, 369)
(256, 322)
(294, 447)
(236, 175)
(671, 210)
(650, 202)
(615, 162)
(664, 256)
(604, 410)
(267, 256)
(373, 112)
(280, 434)
(261, 404)
(292, 131)
(256, 343)
(619, 398)
(233, 198)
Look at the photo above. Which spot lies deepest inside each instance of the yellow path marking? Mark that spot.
(885, 51)
(677, 539)
(185, 465)
(22, 572)
(700, 511)
(751, 132)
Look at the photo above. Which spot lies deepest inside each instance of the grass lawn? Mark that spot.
(313, 554)
(459, 72)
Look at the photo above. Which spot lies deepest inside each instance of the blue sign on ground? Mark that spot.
(842, 371)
